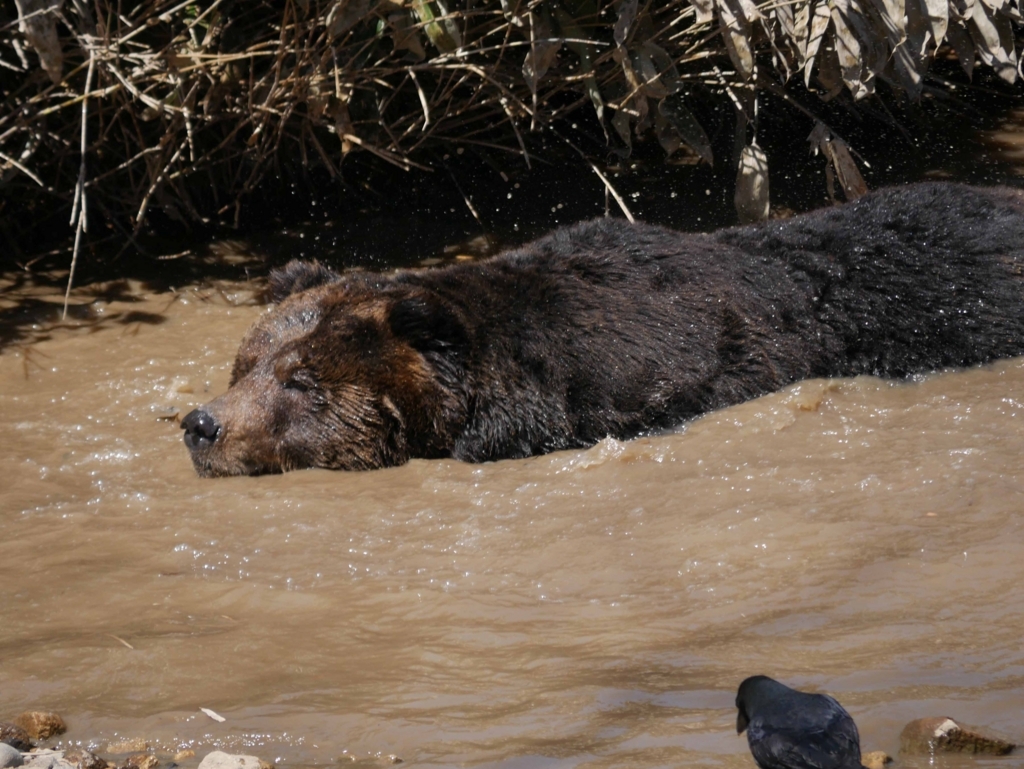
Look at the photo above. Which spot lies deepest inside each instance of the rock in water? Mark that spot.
(140, 761)
(9, 756)
(15, 736)
(219, 760)
(128, 745)
(41, 725)
(83, 759)
(944, 735)
(876, 759)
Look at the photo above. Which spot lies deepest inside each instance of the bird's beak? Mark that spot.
(741, 722)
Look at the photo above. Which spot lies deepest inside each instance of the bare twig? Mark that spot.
(609, 188)
(79, 207)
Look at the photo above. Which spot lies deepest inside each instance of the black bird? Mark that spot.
(787, 729)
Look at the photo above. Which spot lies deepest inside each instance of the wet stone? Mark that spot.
(944, 735)
(140, 761)
(47, 759)
(220, 760)
(128, 745)
(181, 755)
(876, 759)
(15, 736)
(83, 759)
(9, 756)
(41, 725)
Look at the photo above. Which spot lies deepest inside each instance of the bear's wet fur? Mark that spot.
(606, 328)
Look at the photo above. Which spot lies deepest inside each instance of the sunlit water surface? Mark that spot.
(584, 609)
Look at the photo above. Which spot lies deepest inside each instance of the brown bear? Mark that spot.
(609, 328)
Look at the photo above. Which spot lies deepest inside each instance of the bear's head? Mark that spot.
(345, 372)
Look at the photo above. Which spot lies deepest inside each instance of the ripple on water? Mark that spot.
(585, 608)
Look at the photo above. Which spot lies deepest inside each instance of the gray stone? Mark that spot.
(44, 760)
(9, 756)
(15, 736)
(220, 760)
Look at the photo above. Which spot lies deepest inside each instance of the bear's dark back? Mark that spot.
(910, 279)
(606, 328)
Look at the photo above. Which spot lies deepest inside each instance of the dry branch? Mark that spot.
(187, 106)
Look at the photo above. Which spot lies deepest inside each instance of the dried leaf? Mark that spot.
(658, 70)
(751, 198)
(344, 15)
(538, 61)
(830, 76)
(919, 34)
(620, 122)
(748, 9)
(936, 12)
(627, 14)
(846, 17)
(890, 18)
(893, 16)
(37, 21)
(993, 36)
(780, 40)
(338, 111)
(736, 33)
(840, 162)
(964, 8)
(405, 35)
(668, 137)
(801, 20)
(846, 169)
(638, 101)
(690, 131)
(571, 30)
(449, 24)
(443, 33)
(819, 25)
(996, 5)
(963, 45)
(704, 9)
(510, 14)
(785, 16)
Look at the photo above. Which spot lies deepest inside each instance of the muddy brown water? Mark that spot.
(583, 609)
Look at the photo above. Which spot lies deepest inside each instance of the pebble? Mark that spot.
(9, 756)
(876, 759)
(181, 755)
(944, 735)
(140, 761)
(14, 736)
(220, 760)
(83, 759)
(47, 759)
(41, 725)
(128, 745)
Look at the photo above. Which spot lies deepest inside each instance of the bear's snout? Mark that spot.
(200, 428)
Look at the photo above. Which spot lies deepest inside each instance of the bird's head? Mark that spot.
(751, 693)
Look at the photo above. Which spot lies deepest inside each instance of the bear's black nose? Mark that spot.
(200, 429)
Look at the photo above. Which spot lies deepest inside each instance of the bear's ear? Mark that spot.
(297, 276)
(428, 323)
